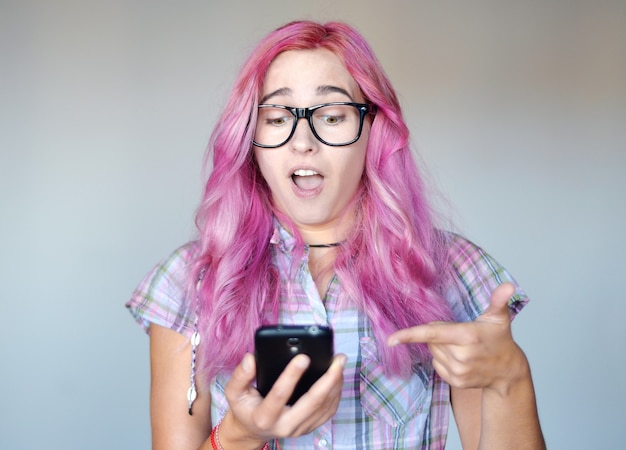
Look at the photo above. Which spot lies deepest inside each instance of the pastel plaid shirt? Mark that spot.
(376, 411)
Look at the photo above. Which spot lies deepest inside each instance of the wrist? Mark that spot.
(517, 374)
(230, 434)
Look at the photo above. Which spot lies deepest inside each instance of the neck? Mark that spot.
(328, 235)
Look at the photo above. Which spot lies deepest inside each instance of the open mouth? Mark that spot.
(307, 179)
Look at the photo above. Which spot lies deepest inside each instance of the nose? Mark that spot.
(303, 139)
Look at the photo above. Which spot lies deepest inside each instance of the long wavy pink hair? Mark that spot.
(393, 264)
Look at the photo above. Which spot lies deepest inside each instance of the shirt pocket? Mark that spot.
(393, 399)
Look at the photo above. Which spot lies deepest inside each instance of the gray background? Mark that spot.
(518, 109)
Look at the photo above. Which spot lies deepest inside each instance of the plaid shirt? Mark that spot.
(376, 411)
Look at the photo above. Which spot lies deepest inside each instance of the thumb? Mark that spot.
(244, 373)
(498, 309)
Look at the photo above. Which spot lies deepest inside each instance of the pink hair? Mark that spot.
(395, 222)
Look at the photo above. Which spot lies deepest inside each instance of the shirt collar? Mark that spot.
(281, 238)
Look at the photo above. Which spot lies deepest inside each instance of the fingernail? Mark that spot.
(392, 342)
(302, 361)
(246, 363)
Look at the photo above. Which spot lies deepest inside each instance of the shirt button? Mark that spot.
(323, 443)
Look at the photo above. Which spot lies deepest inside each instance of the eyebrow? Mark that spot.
(277, 92)
(321, 90)
(326, 89)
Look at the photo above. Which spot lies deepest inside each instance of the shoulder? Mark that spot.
(468, 259)
(474, 274)
(172, 272)
(161, 296)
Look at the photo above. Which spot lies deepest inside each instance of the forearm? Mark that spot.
(509, 416)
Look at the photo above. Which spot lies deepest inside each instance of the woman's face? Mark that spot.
(311, 182)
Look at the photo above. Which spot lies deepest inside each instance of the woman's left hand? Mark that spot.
(478, 354)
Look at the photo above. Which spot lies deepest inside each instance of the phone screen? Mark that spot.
(276, 345)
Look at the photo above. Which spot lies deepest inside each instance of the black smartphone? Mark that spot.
(275, 345)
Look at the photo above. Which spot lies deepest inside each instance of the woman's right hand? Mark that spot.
(253, 420)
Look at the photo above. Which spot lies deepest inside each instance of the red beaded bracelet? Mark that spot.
(215, 440)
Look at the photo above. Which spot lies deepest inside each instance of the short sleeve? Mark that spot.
(160, 298)
(474, 276)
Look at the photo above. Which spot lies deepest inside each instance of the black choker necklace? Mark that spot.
(334, 244)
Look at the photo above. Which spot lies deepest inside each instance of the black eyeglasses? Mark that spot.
(335, 124)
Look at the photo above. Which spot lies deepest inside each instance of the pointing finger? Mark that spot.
(432, 333)
(457, 333)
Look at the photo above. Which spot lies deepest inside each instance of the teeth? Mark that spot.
(304, 173)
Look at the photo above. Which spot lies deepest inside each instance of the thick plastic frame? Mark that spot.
(307, 113)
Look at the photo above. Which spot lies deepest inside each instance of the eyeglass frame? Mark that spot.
(307, 113)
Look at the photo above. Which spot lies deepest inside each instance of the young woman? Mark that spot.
(315, 213)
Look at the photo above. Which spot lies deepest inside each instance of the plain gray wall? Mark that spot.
(518, 109)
